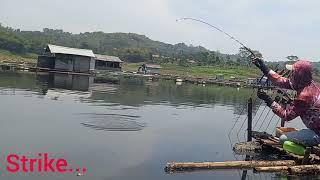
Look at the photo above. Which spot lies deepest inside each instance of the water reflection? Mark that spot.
(65, 81)
(131, 92)
(166, 122)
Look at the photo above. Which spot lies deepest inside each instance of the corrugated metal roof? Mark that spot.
(155, 66)
(68, 50)
(101, 57)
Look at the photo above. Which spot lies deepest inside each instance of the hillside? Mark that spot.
(128, 46)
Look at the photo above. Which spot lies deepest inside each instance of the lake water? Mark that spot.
(124, 131)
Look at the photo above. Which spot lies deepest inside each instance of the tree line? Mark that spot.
(129, 47)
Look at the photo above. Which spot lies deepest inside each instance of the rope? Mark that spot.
(264, 119)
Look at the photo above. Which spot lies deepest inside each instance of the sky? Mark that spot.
(276, 28)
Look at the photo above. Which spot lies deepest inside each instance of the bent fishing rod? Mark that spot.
(220, 30)
(225, 33)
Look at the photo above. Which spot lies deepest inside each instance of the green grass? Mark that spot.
(17, 58)
(211, 71)
(202, 71)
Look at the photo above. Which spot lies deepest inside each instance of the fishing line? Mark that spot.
(237, 119)
(264, 119)
(274, 130)
(232, 38)
(260, 115)
(253, 55)
(269, 122)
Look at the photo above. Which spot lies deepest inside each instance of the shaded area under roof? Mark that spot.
(67, 50)
(101, 57)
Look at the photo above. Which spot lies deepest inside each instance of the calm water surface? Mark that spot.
(125, 131)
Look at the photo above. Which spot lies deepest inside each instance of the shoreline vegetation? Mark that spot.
(7, 56)
(194, 74)
(209, 71)
(20, 48)
(205, 71)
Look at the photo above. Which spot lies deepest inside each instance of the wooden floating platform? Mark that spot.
(272, 142)
(293, 164)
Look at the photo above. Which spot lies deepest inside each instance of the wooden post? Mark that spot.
(249, 136)
(306, 158)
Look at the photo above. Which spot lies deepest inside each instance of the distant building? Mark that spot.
(251, 81)
(104, 62)
(67, 59)
(259, 81)
(220, 77)
(149, 69)
(263, 82)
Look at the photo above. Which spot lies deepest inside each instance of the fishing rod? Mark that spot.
(220, 30)
(253, 55)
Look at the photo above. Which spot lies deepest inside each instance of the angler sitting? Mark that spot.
(306, 103)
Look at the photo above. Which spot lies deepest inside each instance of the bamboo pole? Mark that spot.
(190, 166)
(305, 169)
(272, 169)
(301, 169)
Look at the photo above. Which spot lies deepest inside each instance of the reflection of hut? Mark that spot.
(67, 59)
(149, 69)
(104, 62)
(72, 82)
(220, 77)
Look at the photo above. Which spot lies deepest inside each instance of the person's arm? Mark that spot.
(275, 78)
(279, 80)
(297, 108)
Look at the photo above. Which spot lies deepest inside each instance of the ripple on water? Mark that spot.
(114, 122)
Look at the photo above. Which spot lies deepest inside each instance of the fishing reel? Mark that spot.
(283, 97)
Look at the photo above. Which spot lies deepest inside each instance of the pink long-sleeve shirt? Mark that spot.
(307, 102)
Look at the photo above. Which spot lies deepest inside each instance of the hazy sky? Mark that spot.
(276, 28)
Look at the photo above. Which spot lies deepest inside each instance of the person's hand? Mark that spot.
(263, 96)
(261, 65)
(257, 61)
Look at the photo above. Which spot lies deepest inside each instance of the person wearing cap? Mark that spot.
(306, 104)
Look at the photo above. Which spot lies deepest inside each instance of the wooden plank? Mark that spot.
(188, 166)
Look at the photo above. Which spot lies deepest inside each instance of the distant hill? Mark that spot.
(128, 46)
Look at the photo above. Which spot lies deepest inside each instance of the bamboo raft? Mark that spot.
(293, 165)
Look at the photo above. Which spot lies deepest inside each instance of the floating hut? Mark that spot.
(251, 81)
(220, 77)
(66, 59)
(7, 67)
(149, 69)
(110, 63)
